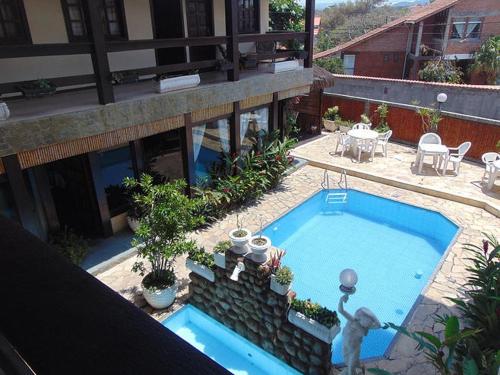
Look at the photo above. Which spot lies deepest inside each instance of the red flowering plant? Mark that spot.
(275, 262)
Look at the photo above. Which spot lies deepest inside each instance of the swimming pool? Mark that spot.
(394, 248)
(224, 346)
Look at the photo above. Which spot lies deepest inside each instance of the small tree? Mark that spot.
(382, 112)
(441, 71)
(430, 119)
(161, 235)
(487, 59)
(286, 15)
(332, 64)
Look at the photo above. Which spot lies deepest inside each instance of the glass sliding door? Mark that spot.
(116, 164)
(163, 157)
(209, 141)
(253, 126)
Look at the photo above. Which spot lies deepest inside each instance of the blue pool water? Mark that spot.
(224, 346)
(385, 241)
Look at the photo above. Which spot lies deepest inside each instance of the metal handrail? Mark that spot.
(343, 179)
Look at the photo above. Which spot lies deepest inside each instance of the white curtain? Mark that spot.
(459, 28)
(470, 27)
(223, 130)
(198, 135)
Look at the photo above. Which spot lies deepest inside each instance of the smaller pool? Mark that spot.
(224, 346)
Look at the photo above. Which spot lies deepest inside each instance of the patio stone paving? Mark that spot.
(306, 181)
(399, 170)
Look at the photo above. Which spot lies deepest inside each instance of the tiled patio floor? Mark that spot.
(398, 170)
(302, 184)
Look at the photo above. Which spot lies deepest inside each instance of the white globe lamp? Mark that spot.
(348, 280)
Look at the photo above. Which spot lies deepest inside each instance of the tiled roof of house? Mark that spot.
(416, 15)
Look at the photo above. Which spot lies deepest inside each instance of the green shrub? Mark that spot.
(315, 311)
(70, 245)
(284, 275)
(382, 112)
(222, 246)
(199, 255)
(441, 71)
(332, 114)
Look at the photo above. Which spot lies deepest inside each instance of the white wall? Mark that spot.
(46, 23)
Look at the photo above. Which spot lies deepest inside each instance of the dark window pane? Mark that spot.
(253, 126)
(248, 16)
(13, 27)
(115, 166)
(7, 206)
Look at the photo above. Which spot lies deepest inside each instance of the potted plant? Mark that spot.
(281, 281)
(331, 115)
(365, 119)
(161, 235)
(34, 89)
(345, 125)
(201, 262)
(4, 111)
(239, 237)
(119, 78)
(69, 244)
(167, 84)
(220, 253)
(382, 111)
(259, 245)
(315, 319)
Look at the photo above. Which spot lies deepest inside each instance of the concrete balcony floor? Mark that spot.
(86, 98)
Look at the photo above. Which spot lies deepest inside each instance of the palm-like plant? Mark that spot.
(487, 59)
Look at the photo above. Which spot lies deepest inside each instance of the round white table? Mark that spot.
(494, 174)
(361, 135)
(434, 150)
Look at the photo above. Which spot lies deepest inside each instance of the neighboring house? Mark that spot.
(63, 156)
(450, 29)
(317, 25)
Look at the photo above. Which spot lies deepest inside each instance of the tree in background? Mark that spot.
(345, 21)
(332, 64)
(286, 15)
(441, 71)
(487, 59)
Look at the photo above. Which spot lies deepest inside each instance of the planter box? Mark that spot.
(201, 270)
(220, 260)
(280, 66)
(312, 327)
(330, 125)
(279, 288)
(177, 83)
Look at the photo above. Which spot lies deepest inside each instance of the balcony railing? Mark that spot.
(99, 48)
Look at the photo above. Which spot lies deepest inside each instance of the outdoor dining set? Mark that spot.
(361, 139)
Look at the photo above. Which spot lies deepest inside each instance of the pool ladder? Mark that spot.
(335, 198)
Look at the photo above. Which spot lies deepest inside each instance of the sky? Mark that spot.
(323, 3)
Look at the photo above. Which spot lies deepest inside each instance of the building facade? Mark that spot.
(64, 156)
(448, 29)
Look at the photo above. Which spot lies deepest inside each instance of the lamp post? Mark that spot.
(441, 98)
(348, 279)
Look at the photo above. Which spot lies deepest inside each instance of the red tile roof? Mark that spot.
(417, 14)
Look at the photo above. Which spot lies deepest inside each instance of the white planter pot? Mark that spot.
(177, 83)
(279, 67)
(240, 243)
(133, 224)
(220, 260)
(313, 327)
(329, 125)
(160, 299)
(200, 269)
(4, 111)
(259, 252)
(279, 288)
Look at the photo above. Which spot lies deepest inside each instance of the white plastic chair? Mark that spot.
(456, 154)
(427, 138)
(383, 139)
(488, 159)
(361, 125)
(367, 146)
(344, 142)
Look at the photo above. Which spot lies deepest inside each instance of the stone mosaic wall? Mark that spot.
(250, 308)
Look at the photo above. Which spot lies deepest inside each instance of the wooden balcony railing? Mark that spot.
(99, 48)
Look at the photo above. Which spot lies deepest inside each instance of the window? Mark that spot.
(112, 14)
(13, 24)
(253, 126)
(387, 57)
(7, 205)
(115, 165)
(248, 16)
(466, 28)
(349, 61)
(209, 140)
